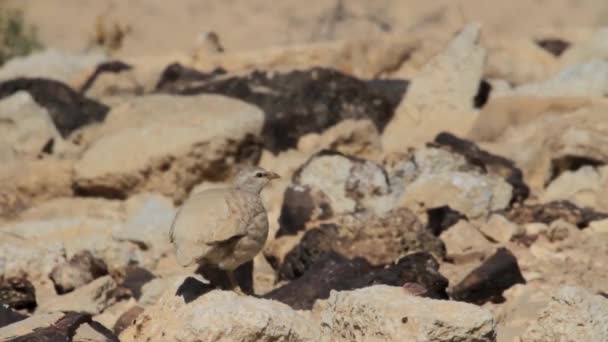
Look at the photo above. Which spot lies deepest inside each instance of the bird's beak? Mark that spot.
(272, 175)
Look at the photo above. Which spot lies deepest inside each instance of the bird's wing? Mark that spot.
(208, 217)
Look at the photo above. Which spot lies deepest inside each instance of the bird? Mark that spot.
(223, 227)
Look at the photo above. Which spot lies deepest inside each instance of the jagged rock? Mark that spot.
(581, 187)
(549, 212)
(332, 271)
(91, 298)
(68, 109)
(464, 242)
(490, 163)
(490, 279)
(18, 293)
(573, 314)
(301, 102)
(69, 326)
(221, 315)
(441, 95)
(9, 316)
(82, 268)
(32, 182)
(388, 313)
(201, 139)
(26, 126)
(379, 239)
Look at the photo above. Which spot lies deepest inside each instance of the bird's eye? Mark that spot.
(259, 175)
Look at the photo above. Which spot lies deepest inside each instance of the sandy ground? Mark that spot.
(159, 27)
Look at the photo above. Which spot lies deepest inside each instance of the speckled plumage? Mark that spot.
(224, 227)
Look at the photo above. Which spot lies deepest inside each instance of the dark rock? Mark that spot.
(302, 102)
(555, 46)
(313, 246)
(333, 271)
(177, 78)
(133, 278)
(127, 319)
(81, 269)
(393, 89)
(297, 209)
(9, 316)
(192, 288)
(18, 293)
(68, 109)
(549, 212)
(487, 282)
(379, 240)
(490, 163)
(106, 67)
(64, 329)
(218, 278)
(483, 94)
(442, 218)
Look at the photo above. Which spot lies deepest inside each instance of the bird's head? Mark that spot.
(253, 179)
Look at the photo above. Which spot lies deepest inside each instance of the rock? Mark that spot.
(134, 278)
(58, 327)
(573, 314)
(314, 100)
(332, 271)
(593, 47)
(517, 60)
(9, 316)
(501, 230)
(68, 109)
(221, 315)
(50, 63)
(555, 46)
(28, 325)
(82, 268)
(149, 224)
(473, 195)
(598, 227)
(579, 187)
(17, 293)
(26, 126)
(201, 135)
(386, 313)
(491, 163)
(441, 218)
(331, 184)
(490, 279)
(379, 239)
(91, 298)
(64, 236)
(351, 137)
(585, 79)
(464, 242)
(19, 256)
(32, 182)
(549, 212)
(560, 230)
(440, 98)
(127, 319)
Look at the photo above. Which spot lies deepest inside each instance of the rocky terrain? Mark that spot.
(449, 184)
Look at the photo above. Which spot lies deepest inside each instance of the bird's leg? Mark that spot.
(234, 284)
